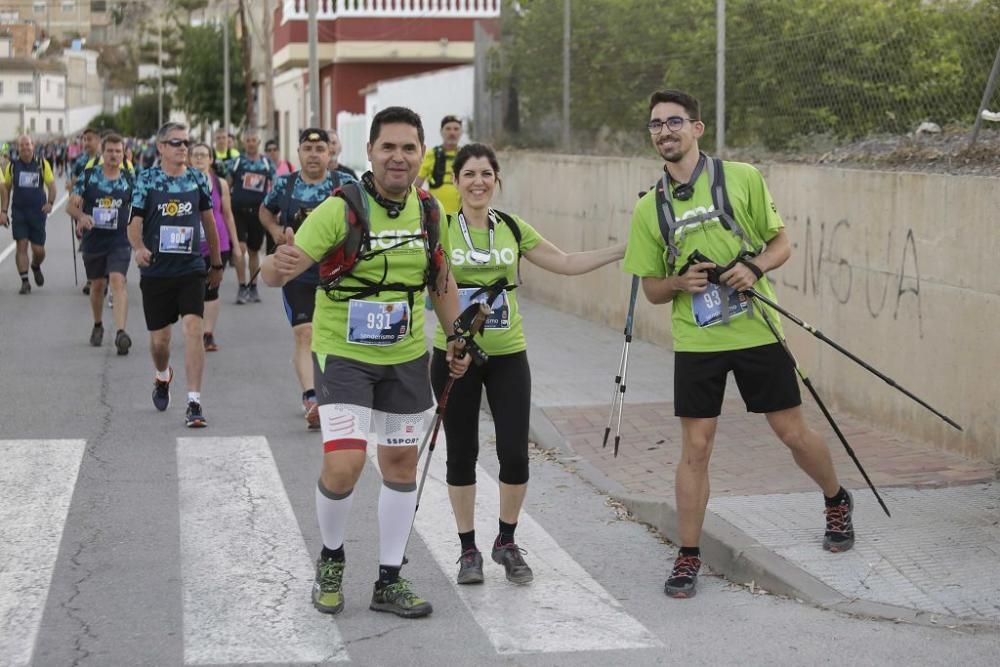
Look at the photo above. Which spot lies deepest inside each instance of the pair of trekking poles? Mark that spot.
(714, 276)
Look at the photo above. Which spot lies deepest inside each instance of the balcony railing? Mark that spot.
(298, 10)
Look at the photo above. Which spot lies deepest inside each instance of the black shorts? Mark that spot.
(166, 299)
(765, 377)
(101, 265)
(300, 302)
(249, 229)
(212, 294)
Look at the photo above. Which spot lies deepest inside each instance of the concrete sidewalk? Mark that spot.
(935, 561)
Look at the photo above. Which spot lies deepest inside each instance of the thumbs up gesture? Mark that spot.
(289, 237)
(287, 257)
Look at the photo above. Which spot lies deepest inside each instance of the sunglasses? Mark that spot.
(177, 143)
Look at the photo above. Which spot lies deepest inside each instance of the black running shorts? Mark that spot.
(765, 377)
(249, 229)
(166, 299)
(300, 302)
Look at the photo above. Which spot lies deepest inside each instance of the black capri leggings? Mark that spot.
(508, 389)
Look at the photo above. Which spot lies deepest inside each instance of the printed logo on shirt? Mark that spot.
(506, 256)
(392, 237)
(174, 208)
(697, 210)
(108, 202)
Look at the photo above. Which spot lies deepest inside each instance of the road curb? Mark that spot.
(731, 552)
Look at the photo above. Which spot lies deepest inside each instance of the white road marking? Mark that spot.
(36, 484)
(246, 571)
(564, 609)
(9, 249)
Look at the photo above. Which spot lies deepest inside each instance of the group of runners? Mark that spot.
(354, 257)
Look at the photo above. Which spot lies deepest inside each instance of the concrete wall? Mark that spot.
(896, 267)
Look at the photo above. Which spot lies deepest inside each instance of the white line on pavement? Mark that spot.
(563, 609)
(36, 483)
(9, 249)
(245, 567)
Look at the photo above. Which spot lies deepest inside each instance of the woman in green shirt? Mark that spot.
(484, 246)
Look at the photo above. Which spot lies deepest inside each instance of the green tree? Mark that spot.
(200, 80)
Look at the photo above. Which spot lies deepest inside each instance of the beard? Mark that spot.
(671, 152)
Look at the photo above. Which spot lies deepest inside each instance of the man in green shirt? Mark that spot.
(370, 355)
(715, 328)
(436, 168)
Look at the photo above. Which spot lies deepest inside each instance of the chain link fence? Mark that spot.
(801, 76)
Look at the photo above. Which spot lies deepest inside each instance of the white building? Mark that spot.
(32, 97)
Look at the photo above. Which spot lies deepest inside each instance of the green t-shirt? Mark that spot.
(502, 333)
(646, 257)
(447, 194)
(381, 329)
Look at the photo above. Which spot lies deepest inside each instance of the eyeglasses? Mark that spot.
(177, 143)
(673, 124)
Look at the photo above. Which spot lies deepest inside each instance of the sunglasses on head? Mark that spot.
(177, 143)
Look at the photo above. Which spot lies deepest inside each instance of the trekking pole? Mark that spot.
(72, 246)
(618, 393)
(826, 413)
(819, 334)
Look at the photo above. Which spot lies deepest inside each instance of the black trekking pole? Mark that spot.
(819, 334)
(618, 393)
(72, 246)
(826, 413)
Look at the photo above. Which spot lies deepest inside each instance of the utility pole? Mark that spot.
(565, 96)
(159, 71)
(720, 77)
(272, 130)
(314, 66)
(225, 67)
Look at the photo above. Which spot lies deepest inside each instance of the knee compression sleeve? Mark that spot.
(345, 426)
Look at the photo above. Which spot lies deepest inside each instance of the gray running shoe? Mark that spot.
(252, 294)
(839, 526)
(327, 596)
(123, 342)
(97, 335)
(242, 295)
(36, 271)
(509, 555)
(398, 598)
(683, 577)
(161, 391)
(25, 288)
(470, 567)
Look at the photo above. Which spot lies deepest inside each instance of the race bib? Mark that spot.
(105, 218)
(707, 306)
(254, 182)
(499, 317)
(28, 179)
(373, 323)
(176, 240)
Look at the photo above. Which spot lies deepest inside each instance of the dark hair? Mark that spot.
(313, 134)
(395, 115)
(271, 143)
(469, 151)
(90, 130)
(450, 119)
(689, 102)
(111, 138)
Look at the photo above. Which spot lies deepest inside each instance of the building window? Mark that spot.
(25, 87)
(48, 126)
(98, 6)
(40, 7)
(327, 104)
(48, 85)
(60, 126)
(61, 90)
(1, 87)
(32, 124)
(68, 5)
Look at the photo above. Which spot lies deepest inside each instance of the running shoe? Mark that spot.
(327, 596)
(398, 598)
(839, 527)
(193, 418)
(510, 556)
(470, 567)
(123, 342)
(210, 344)
(242, 295)
(86, 288)
(683, 578)
(161, 391)
(25, 288)
(252, 293)
(97, 335)
(36, 271)
(311, 410)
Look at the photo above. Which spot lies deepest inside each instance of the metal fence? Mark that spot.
(799, 75)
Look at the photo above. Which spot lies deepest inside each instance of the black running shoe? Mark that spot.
(509, 555)
(97, 335)
(25, 288)
(161, 391)
(398, 598)
(839, 527)
(683, 578)
(470, 567)
(122, 342)
(86, 288)
(36, 271)
(194, 418)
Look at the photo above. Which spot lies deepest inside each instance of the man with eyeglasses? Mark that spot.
(714, 328)
(171, 212)
(251, 176)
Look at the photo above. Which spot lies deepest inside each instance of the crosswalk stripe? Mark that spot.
(564, 609)
(245, 567)
(36, 483)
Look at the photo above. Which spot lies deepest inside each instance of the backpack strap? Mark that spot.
(515, 229)
(286, 197)
(440, 162)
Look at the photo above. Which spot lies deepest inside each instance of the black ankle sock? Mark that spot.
(468, 540)
(333, 554)
(691, 551)
(387, 574)
(309, 393)
(506, 535)
(841, 497)
(98, 323)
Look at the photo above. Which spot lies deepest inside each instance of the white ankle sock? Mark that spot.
(194, 396)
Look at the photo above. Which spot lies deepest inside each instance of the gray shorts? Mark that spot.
(397, 389)
(101, 265)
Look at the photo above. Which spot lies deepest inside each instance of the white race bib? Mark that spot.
(499, 317)
(176, 240)
(105, 218)
(28, 179)
(707, 306)
(376, 323)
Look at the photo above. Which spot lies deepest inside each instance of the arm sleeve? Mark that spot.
(644, 254)
(323, 229)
